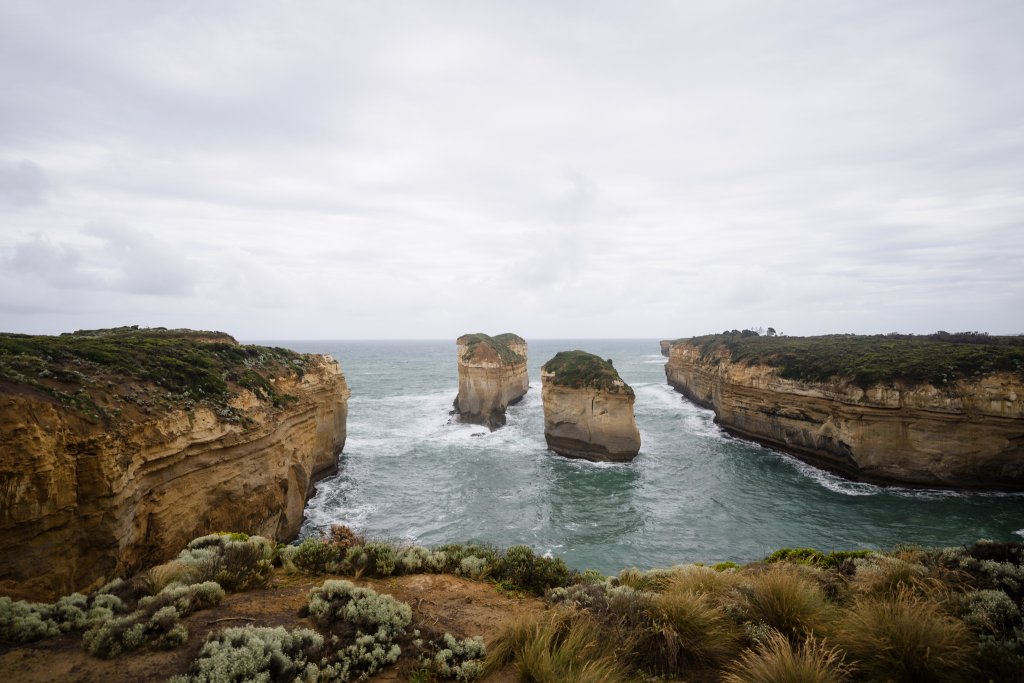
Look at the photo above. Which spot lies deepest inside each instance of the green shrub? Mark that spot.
(381, 558)
(314, 555)
(520, 565)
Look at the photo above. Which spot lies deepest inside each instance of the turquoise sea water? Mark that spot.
(693, 493)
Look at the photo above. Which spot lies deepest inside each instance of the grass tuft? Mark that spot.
(777, 660)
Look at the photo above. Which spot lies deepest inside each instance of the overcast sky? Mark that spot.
(557, 169)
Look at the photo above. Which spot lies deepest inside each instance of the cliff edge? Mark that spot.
(588, 409)
(121, 445)
(920, 411)
(492, 376)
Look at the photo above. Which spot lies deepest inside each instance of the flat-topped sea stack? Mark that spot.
(588, 409)
(119, 446)
(492, 376)
(942, 410)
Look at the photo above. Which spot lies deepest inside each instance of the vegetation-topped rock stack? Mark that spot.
(942, 410)
(492, 376)
(120, 445)
(588, 409)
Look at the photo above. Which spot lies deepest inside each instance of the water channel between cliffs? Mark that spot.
(693, 494)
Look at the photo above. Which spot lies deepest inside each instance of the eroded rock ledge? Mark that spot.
(492, 376)
(106, 469)
(588, 409)
(967, 434)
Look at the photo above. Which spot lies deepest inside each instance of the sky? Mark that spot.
(574, 169)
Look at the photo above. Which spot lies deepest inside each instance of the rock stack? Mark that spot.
(588, 409)
(492, 376)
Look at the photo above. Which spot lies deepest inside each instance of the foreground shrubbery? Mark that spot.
(909, 615)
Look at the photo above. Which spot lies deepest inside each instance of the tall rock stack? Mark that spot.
(588, 409)
(492, 376)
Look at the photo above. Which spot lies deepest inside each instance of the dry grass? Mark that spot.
(703, 581)
(558, 647)
(906, 638)
(690, 630)
(776, 660)
(162, 575)
(786, 599)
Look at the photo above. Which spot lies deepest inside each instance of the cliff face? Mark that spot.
(82, 501)
(666, 346)
(492, 376)
(591, 418)
(969, 435)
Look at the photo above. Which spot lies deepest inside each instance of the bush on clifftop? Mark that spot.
(936, 359)
(580, 369)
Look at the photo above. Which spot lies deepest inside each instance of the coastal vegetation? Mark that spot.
(500, 343)
(938, 359)
(910, 614)
(580, 369)
(93, 371)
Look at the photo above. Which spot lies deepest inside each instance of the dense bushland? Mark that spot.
(181, 368)
(936, 359)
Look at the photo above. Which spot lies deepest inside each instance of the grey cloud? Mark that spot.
(125, 260)
(23, 183)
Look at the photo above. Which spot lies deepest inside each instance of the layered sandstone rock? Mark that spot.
(492, 376)
(83, 500)
(588, 409)
(969, 434)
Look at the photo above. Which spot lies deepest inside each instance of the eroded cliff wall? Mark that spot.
(82, 502)
(967, 435)
(492, 376)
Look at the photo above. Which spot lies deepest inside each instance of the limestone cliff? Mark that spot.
(666, 345)
(967, 434)
(588, 409)
(120, 470)
(492, 376)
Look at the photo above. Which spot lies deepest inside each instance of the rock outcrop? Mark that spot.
(969, 434)
(492, 376)
(588, 409)
(120, 472)
(666, 346)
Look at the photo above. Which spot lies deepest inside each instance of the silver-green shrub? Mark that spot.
(25, 622)
(458, 659)
(250, 653)
(366, 610)
(472, 567)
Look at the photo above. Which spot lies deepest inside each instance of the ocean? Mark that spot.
(693, 494)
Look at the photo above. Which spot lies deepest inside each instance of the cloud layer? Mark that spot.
(581, 169)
